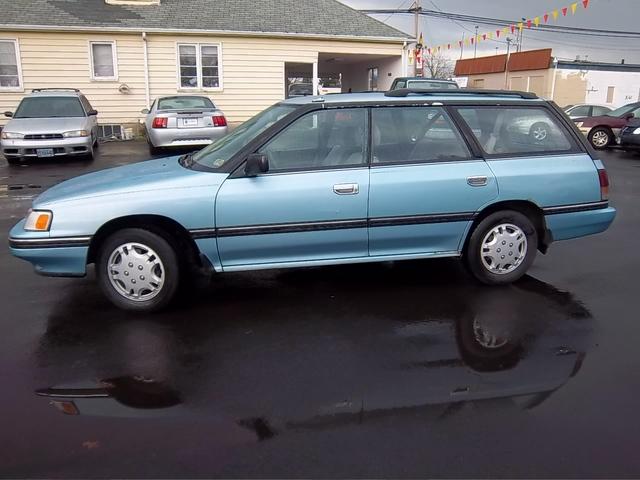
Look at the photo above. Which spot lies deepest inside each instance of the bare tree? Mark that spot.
(436, 65)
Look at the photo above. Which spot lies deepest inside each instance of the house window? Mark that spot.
(104, 63)
(372, 79)
(610, 93)
(10, 74)
(199, 66)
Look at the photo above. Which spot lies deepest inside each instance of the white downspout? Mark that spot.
(315, 78)
(147, 94)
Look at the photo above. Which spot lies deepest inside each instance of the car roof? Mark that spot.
(54, 93)
(435, 96)
(425, 78)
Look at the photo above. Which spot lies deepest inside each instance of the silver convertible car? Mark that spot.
(183, 121)
(313, 181)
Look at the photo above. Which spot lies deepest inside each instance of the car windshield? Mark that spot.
(49, 107)
(431, 85)
(220, 152)
(618, 112)
(177, 103)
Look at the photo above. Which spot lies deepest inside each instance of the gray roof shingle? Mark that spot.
(310, 17)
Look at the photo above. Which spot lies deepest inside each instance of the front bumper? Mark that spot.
(50, 256)
(629, 140)
(61, 147)
(182, 137)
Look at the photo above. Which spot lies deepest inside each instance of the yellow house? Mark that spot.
(241, 53)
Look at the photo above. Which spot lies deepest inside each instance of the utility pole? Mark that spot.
(475, 43)
(506, 67)
(462, 46)
(416, 18)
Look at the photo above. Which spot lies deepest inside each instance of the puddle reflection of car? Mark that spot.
(430, 347)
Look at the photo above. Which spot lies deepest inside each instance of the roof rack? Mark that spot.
(35, 90)
(404, 92)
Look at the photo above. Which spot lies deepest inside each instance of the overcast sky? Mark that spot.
(602, 14)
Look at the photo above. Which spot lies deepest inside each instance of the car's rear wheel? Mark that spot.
(154, 150)
(502, 247)
(138, 270)
(600, 138)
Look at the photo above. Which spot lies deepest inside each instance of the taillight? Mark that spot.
(160, 122)
(219, 121)
(604, 183)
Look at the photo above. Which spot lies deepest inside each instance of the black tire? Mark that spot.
(13, 161)
(600, 137)
(165, 253)
(539, 132)
(154, 150)
(473, 254)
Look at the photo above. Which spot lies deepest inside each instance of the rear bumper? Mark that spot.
(180, 137)
(564, 226)
(29, 148)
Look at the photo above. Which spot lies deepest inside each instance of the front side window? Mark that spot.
(49, 107)
(599, 111)
(199, 66)
(414, 135)
(103, 61)
(516, 130)
(221, 151)
(9, 66)
(332, 138)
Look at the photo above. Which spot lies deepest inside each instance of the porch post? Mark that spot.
(315, 78)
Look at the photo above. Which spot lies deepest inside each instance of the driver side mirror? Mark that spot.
(256, 163)
(8, 114)
(91, 113)
(144, 111)
(629, 115)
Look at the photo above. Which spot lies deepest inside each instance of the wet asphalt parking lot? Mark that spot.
(407, 369)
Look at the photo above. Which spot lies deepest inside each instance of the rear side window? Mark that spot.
(517, 130)
(414, 135)
(581, 111)
(177, 103)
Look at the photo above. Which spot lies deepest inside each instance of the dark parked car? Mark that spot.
(630, 135)
(603, 130)
(423, 83)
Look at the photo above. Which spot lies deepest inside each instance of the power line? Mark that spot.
(501, 22)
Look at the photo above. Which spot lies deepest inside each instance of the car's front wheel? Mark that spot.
(138, 270)
(600, 138)
(502, 247)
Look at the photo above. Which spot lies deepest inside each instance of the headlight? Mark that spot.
(38, 221)
(579, 124)
(76, 133)
(636, 131)
(12, 135)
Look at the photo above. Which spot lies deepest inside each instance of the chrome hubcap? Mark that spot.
(504, 248)
(136, 272)
(600, 139)
(539, 133)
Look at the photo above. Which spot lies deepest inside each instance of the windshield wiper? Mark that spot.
(187, 160)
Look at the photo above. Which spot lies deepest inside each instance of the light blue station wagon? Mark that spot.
(487, 176)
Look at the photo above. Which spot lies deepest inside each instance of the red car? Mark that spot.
(603, 130)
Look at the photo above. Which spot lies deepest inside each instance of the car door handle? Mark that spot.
(346, 188)
(477, 181)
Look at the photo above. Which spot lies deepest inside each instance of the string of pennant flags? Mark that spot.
(552, 15)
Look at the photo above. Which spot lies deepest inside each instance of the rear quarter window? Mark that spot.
(504, 131)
